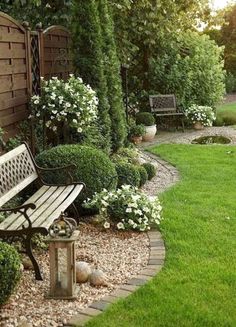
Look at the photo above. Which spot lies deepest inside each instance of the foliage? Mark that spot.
(195, 60)
(48, 12)
(230, 82)
(128, 174)
(9, 271)
(145, 32)
(12, 143)
(228, 39)
(112, 73)
(130, 155)
(150, 169)
(136, 130)
(202, 114)
(89, 63)
(223, 31)
(145, 118)
(93, 167)
(226, 114)
(127, 208)
(71, 103)
(143, 175)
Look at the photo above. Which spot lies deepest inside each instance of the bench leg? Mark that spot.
(182, 122)
(76, 212)
(28, 248)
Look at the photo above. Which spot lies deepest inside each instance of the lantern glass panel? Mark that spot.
(62, 279)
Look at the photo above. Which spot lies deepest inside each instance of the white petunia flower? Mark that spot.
(120, 226)
(107, 225)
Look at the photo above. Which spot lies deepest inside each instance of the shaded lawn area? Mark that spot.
(197, 286)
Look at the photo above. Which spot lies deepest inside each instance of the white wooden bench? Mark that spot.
(17, 170)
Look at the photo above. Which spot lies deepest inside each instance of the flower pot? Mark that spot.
(198, 125)
(150, 133)
(136, 139)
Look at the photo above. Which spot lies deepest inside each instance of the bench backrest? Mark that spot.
(17, 171)
(161, 103)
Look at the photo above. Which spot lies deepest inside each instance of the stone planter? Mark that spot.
(198, 125)
(150, 133)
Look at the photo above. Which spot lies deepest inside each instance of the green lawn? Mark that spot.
(226, 113)
(197, 286)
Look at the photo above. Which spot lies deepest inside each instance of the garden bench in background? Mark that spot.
(17, 170)
(165, 106)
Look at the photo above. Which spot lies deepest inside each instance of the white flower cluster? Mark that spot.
(202, 114)
(126, 208)
(70, 102)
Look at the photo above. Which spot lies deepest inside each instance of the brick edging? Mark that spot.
(155, 264)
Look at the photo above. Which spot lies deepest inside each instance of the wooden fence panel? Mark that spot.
(56, 58)
(15, 76)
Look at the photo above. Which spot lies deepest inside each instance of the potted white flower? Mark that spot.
(62, 103)
(200, 116)
(147, 119)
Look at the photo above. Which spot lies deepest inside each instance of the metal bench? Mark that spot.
(17, 170)
(165, 106)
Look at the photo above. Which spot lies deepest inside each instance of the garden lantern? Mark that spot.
(62, 258)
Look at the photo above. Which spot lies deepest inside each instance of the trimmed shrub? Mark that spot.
(94, 167)
(143, 175)
(150, 169)
(9, 271)
(127, 174)
(145, 118)
(126, 154)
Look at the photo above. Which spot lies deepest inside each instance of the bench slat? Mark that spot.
(50, 205)
(64, 205)
(42, 203)
(14, 216)
(170, 114)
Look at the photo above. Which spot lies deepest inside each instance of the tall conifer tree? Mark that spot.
(112, 72)
(89, 57)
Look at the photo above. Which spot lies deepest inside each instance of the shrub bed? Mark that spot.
(93, 167)
(150, 169)
(9, 271)
(126, 208)
(128, 174)
(143, 175)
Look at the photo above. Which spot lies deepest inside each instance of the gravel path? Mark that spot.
(189, 135)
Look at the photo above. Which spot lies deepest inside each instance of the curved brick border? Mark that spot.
(155, 263)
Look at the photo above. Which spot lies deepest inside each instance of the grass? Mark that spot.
(226, 114)
(197, 286)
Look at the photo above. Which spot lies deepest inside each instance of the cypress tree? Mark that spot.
(89, 57)
(112, 72)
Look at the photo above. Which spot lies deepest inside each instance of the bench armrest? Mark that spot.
(23, 210)
(68, 169)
